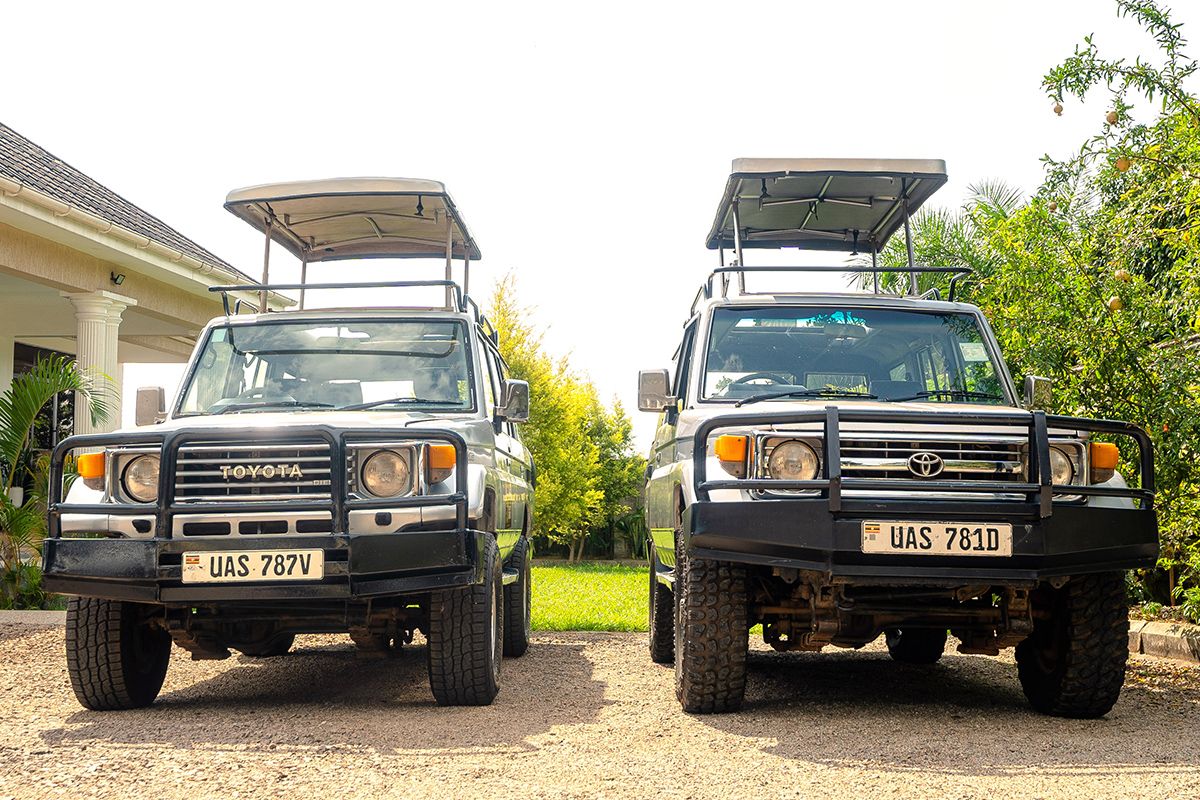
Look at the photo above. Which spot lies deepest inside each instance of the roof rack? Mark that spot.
(461, 302)
(823, 204)
(708, 288)
(342, 218)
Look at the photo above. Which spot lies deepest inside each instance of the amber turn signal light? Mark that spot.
(90, 465)
(1103, 457)
(440, 460)
(731, 452)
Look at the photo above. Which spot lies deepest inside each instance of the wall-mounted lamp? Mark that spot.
(117, 278)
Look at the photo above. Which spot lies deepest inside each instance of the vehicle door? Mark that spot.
(664, 469)
(513, 465)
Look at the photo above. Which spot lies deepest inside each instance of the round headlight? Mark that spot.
(140, 479)
(792, 461)
(1062, 471)
(385, 473)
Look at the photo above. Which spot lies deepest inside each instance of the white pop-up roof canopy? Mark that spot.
(341, 218)
(352, 218)
(821, 203)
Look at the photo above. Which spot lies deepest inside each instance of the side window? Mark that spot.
(499, 379)
(489, 381)
(683, 367)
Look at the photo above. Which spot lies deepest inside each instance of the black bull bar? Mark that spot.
(1038, 489)
(339, 504)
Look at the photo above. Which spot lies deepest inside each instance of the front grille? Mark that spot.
(221, 472)
(984, 459)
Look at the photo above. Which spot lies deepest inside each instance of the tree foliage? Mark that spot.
(1094, 280)
(23, 525)
(583, 451)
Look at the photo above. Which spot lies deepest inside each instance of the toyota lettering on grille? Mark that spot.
(925, 464)
(265, 471)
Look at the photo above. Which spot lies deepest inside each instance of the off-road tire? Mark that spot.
(518, 600)
(116, 659)
(466, 637)
(1073, 664)
(915, 645)
(277, 645)
(662, 616)
(712, 637)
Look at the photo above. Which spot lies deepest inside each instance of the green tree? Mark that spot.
(568, 493)
(621, 475)
(1094, 281)
(23, 526)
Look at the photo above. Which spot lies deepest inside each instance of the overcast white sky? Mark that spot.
(587, 145)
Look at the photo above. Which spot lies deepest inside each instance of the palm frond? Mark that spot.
(29, 393)
(994, 197)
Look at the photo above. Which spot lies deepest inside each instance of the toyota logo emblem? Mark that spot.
(925, 464)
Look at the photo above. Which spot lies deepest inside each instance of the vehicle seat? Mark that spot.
(891, 390)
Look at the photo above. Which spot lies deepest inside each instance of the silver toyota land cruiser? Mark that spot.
(320, 471)
(839, 466)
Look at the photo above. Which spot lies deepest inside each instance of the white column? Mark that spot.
(6, 362)
(97, 322)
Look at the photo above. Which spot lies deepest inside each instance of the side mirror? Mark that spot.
(516, 402)
(151, 406)
(1038, 392)
(654, 390)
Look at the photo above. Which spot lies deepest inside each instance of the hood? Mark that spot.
(350, 420)
(809, 404)
(692, 417)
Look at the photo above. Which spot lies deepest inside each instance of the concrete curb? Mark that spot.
(1175, 640)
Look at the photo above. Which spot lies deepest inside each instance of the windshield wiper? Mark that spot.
(271, 404)
(947, 393)
(754, 398)
(397, 401)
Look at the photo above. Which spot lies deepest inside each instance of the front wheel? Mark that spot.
(1073, 664)
(711, 636)
(117, 654)
(466, 637)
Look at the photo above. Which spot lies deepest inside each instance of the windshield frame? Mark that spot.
(702, 351)
(177, 411)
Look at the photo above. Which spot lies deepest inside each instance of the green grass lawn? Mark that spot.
(589, 597)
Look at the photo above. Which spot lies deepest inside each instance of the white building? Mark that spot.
(85, 272)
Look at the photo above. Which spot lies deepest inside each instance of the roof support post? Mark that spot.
(908, 242)
(737, 232)
(466, 271)
(737, 243)
(303, 276)
(449, 258)
(266, 278)
(875, 263)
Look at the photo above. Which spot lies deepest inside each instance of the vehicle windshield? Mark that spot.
(330, 365)
(791, 352)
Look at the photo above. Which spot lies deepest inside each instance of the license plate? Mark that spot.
(937, 538)
(244, 566)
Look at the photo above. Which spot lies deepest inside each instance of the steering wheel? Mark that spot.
(770, 376)
(263, 393)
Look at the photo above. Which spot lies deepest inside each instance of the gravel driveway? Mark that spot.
(587, 715)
